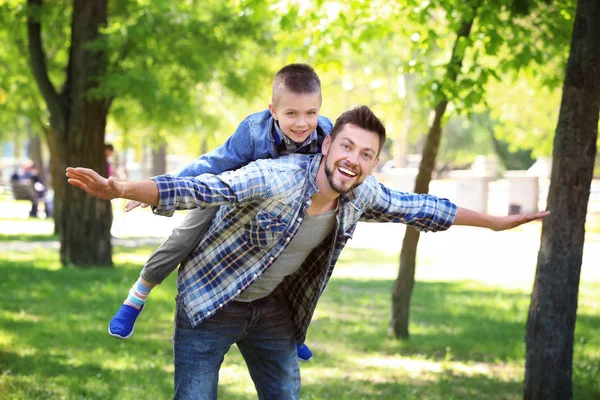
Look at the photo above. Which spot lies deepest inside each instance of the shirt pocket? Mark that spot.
(265, 229)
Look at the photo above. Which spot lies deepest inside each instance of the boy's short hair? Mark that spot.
(364, 118)
(296, 79)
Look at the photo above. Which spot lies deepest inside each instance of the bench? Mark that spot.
(23, 190)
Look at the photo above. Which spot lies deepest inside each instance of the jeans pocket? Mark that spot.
(182, 320)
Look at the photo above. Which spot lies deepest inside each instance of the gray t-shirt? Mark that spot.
(312, 232)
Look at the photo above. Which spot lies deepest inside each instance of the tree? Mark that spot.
(553, 308)
(78, 124)
(403, 286)
(496, 25)
(159, 58)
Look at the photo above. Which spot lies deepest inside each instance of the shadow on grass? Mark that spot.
(53, 340)
(450, 321)
(446, 386)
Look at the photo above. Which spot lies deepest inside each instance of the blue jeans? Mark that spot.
(262, 330)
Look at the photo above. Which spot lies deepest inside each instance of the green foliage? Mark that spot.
(164, 58)
(21, 106)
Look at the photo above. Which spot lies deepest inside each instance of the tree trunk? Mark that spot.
(35, 154)
(78, 122)
(553, 308)
(159, 160)
(403, 286)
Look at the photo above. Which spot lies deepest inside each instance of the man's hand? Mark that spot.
(95, 185)
(512, 221)
(134, 204)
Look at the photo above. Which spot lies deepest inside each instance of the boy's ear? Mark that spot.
(273, 111)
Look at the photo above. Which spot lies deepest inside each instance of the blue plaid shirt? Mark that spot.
(262, 207)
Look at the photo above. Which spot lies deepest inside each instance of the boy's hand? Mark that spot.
(512, 221)
(94, 184)
(134, 204)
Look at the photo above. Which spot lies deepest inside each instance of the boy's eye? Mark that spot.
(291, 113)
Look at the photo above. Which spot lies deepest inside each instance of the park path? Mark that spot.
(457, 254)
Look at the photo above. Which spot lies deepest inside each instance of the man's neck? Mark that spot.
(326, 199)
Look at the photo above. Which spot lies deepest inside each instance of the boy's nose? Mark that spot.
(301, 122)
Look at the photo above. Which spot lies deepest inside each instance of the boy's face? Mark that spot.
(297, 114)
(350, 157)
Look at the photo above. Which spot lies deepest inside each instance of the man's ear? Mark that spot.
(273, 111)
(374, 166)
(326, 145)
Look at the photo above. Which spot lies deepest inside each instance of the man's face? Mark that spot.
(297, 114)
(350, 157)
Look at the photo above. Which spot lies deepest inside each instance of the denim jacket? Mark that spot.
(254, 139)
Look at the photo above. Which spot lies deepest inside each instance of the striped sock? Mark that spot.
(137, 295)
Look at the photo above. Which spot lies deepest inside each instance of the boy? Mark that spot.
(291, 125)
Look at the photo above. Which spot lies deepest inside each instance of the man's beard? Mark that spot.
(337, 188)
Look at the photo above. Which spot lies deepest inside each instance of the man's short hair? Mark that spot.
(364, 118)
(295, 79)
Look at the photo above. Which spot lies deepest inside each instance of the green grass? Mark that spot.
(467, 338)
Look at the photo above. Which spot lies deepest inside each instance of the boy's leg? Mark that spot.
(269, 350)
(161, 263)
(183, 240)
(199, 351)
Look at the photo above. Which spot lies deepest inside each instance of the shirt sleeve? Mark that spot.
(236, 152)
(243, 185)
(422, 211)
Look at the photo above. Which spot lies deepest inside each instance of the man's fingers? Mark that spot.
(131, 205)
(144, 205)
(84, 175)
(77, 182)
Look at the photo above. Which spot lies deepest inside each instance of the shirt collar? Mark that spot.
(282, 138)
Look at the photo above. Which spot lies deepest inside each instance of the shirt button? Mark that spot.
(239, 291)
(299, 219)
(287, 239)
(208, 313)
(255, 275)
(221, 305)
(271, 258)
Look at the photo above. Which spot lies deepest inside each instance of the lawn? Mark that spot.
(467, 337)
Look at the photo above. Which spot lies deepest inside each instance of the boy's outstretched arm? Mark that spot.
(473, 218)
(107, 189)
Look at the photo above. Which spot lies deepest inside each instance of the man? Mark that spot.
(256, 276)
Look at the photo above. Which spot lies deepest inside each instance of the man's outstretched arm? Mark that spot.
(472, 218)
(108, 189)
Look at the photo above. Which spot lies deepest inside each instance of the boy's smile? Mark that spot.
(297, 114)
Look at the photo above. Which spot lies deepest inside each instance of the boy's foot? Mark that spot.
(304, 353)
(121, 325)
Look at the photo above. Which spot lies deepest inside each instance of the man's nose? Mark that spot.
(352, 157)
